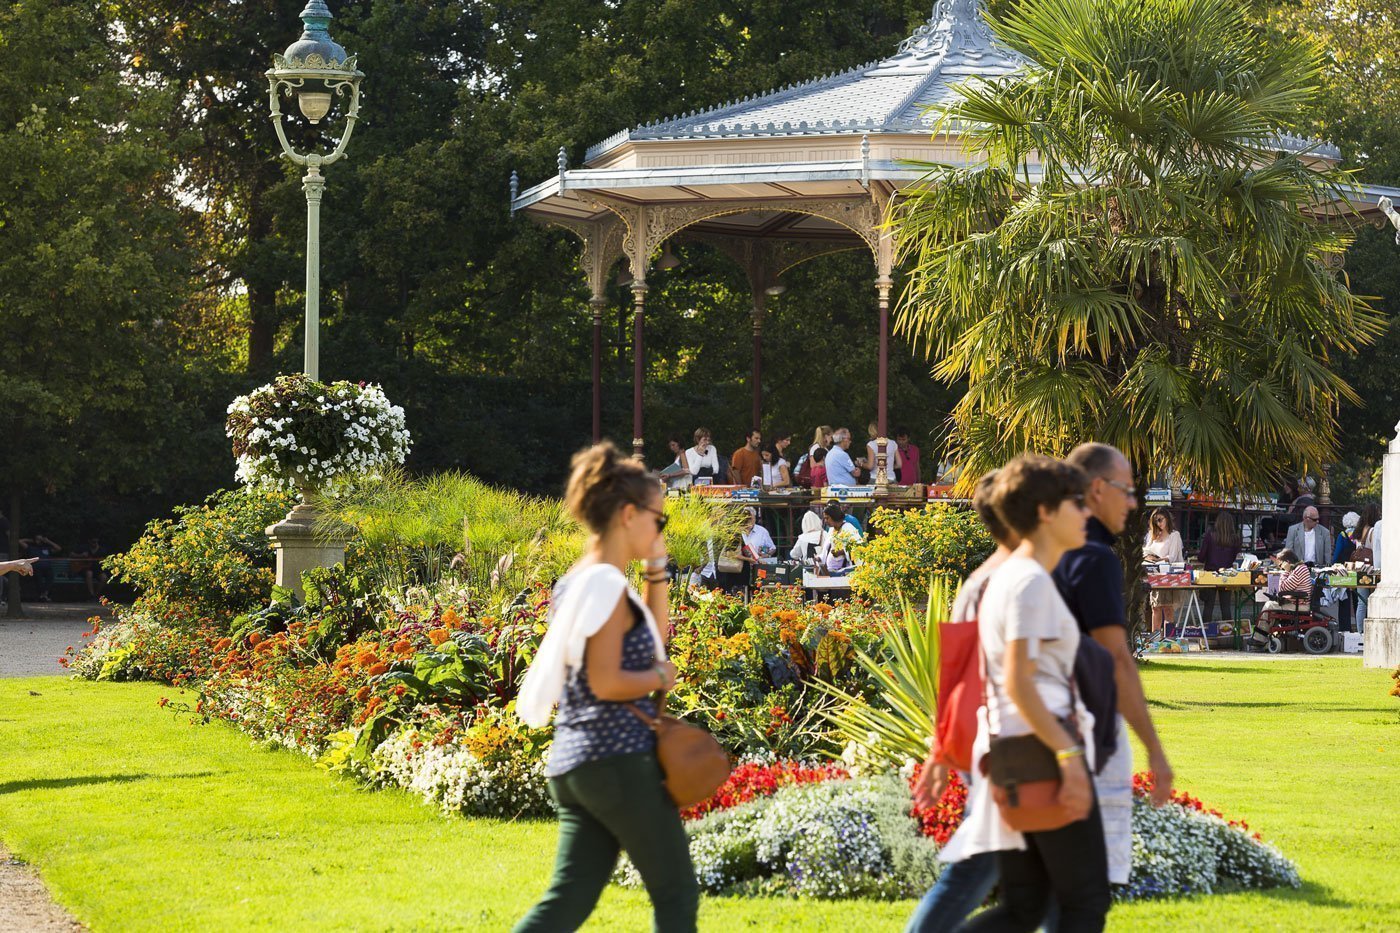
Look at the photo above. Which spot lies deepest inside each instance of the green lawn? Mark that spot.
(138, 821)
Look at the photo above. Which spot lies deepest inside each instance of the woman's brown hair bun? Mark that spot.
(603, 481)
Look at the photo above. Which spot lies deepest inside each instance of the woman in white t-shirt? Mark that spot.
(702, 459)
(1029, 639)
(1163, 546)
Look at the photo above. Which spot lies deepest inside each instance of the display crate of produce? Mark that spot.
(1258, 577)
(1210, 578)
(723, 492)
(849, 492)
(1367, 578)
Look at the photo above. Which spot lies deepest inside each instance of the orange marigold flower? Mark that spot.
(254, 638)
(400, 690)
(758, 612)
(380, 668)
(223, 644)
(438, 635)
(403, 647)
(362, 694)
(450, 618)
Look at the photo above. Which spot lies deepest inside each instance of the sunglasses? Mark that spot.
(1124, 488)
(661, 517)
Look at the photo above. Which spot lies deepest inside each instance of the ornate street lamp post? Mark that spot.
(315, 70)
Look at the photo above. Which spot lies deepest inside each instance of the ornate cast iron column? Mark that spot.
(639, 297)
(596, 304)
(884, 262)
(757, 376)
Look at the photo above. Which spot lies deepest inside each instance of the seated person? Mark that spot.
(1297, 580)
(812, 540)
(758, 543)
(41, 548)
(841, 535)
(88, 562)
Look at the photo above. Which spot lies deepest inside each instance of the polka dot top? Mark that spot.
(587, 728)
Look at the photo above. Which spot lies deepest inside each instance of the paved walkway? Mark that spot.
(25, 906)
(32, 644)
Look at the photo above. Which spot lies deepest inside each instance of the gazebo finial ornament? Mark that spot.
(955, 23)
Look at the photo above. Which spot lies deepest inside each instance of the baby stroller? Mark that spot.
(1297, 618)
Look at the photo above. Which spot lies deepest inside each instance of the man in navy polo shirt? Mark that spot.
(1091, 581)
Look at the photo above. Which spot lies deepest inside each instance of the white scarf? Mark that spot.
(583, 601)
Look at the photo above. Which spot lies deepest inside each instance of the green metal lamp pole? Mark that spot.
(314, 69)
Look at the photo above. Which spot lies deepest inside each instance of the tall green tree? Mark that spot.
(1359, 42)
(91, 255)
(1130, 263)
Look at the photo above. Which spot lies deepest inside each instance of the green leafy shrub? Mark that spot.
(894, 730)
(211, 561)
(907, 547)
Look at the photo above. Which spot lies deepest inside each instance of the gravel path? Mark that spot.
(32, 644)
(25, 906)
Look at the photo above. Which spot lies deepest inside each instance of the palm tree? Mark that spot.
(1126, 260)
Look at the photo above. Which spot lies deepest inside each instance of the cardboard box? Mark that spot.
(1351, 642)
(1169, 579)
(1342, 579)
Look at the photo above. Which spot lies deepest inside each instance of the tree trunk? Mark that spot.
(262, 287)
(12, 589)
(262, 327)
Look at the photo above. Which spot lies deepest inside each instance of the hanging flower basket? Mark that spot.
(299, 434)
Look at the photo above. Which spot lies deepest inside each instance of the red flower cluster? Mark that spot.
(750, 781)
(1145, 781)
(941, 820)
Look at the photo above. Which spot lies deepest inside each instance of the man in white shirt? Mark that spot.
(840, 469)
(1309, 540)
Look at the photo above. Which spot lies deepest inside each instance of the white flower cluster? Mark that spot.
(294, 433)
(455, 780)
(1178, 850)
(835, 839)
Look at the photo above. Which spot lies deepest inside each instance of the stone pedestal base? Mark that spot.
(1382, 640)
(300, 547)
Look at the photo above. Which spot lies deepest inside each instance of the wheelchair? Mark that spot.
(1298, 620)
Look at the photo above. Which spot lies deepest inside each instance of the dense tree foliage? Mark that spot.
(1156, 287)
(171, 205)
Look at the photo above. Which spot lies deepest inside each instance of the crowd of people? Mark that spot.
(827, 461)
(1050, 622)
(1294, 542)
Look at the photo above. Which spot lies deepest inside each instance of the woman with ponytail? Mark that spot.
(601, 661)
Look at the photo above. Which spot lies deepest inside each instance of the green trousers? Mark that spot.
(605, 807)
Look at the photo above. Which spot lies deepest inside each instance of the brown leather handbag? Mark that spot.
(693, 762)
(1025, 776)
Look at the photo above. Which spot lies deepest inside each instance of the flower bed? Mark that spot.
(835, 836)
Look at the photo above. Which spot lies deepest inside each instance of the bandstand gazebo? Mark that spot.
(783, 177)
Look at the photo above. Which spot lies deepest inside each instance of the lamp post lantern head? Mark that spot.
(316, 69)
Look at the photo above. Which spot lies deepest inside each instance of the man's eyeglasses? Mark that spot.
(1124, 488)
(661, 517)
